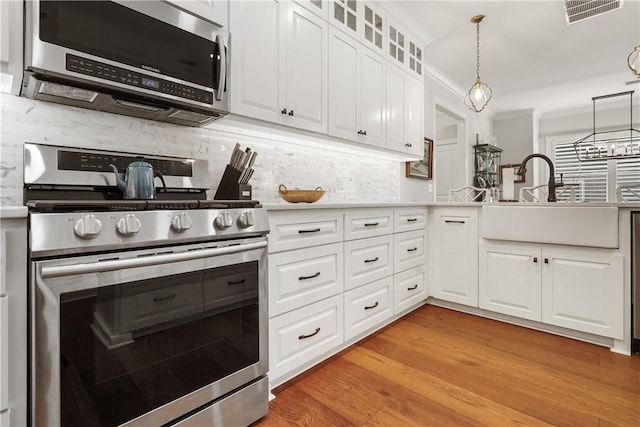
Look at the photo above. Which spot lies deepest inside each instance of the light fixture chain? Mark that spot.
(478, 51)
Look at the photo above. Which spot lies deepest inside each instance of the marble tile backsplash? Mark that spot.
(345, 177)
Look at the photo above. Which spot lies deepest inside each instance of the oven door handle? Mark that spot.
(101, 266)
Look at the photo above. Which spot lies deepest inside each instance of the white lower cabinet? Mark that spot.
(367, 260)
(300, 336)
(409, 249)
(454, 255)
(572, 287)
(509, 280)
(367, 306)
(4, 345)
(409, 289)
(301, 277)
(582, 289)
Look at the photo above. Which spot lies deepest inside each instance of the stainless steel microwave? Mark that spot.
(142, 58)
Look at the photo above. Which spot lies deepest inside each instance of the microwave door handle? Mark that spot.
(221, 67)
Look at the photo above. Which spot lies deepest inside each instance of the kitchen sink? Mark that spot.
(595, 226)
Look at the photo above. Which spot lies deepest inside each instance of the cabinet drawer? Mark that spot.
(367, 260)
(230, 285)
(367, 306)
(365, 223)
(409, 250)
(4, 347)
(300, 336)
(409, 219)
(409, 289)
(304, 276)
(296, 230)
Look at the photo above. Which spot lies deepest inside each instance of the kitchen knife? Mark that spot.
(244, 178)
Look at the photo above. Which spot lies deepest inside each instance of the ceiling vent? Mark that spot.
(578, 10)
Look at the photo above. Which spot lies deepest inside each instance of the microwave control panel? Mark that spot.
(101, 70)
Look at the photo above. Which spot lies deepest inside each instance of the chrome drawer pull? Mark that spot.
(412, 249)
(236, 282)
(315, 230)
(168, 297)
(412, 219)
(371, 260)
(371, 224)
(302, 337)
(369, 307)
(309, 277)
(412, 288)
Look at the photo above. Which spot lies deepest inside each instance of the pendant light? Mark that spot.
(479, 95)
(633, 60)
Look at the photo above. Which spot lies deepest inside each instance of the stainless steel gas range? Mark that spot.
(142, 312)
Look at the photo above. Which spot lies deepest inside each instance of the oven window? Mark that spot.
(115, 32)
(130, 348)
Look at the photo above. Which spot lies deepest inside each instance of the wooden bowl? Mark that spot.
(300, 196)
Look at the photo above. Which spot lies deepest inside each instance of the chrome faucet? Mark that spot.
(552, 180)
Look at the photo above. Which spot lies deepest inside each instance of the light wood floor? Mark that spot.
(443, 368)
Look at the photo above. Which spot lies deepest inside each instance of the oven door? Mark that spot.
(145, 337)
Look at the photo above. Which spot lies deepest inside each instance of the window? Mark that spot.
(595, 178)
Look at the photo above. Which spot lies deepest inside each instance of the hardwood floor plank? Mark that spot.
(438, 367)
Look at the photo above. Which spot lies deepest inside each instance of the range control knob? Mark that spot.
(181, 222)
(128, 225)
(87, 227)
(223, 221)
(245, 219)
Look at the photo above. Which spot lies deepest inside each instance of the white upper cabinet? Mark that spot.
(356, 91)
(306, 69)
(215, 11)
(279, 62)
(362, 20)
(292, 68)
(256, 59)
(404, 112)
(319, 7)
(404, 50)
(344, 15)
(11, 41)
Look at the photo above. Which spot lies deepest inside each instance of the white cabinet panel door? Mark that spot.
(583, 290)
(395, 109)
(372, 80)
(301, 277)
(509, 280)
(413, 112)
(258, 75)
(455, 255)
(409, 289)
(300, 336)
(343, 85)
(306, 69)
(4, 345)
(367, 306)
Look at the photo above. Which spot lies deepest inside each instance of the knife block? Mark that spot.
(230, 189)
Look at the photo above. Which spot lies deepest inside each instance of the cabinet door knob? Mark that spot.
(408, 144)
(291, 112)
(364, 132)
(284, 111)
(535, 259)
(546, 260)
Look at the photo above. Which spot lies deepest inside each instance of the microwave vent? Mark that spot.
(192, 117)
(64, 91)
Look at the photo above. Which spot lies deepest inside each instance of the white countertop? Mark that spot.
(356, 205)
(13, 212)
